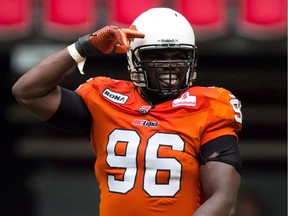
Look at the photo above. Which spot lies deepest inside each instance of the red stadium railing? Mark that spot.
(69, 18)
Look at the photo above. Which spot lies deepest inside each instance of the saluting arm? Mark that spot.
(38, 90)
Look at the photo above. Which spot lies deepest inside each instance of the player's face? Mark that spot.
(165, 69)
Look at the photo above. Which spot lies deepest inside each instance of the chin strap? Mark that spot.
(193, 77)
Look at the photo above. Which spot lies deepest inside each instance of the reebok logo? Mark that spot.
(115, 97)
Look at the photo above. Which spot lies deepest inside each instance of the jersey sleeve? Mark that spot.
(92, 85)
(85, 88)
(224, 118)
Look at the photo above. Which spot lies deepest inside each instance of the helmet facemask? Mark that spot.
(165, 77)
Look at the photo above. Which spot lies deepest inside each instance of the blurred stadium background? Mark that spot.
(242, 46)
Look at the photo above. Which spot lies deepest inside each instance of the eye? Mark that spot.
(163, 54)
(180, 56)
(149, 55)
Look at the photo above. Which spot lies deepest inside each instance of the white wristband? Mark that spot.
(77, 57)
(74, 53)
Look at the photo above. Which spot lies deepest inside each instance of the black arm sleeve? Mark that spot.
(72, 114)
(223, 149)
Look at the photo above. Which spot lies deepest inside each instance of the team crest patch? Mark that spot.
(114, 96)
(184, 100)
(145, 109)
(141, 122)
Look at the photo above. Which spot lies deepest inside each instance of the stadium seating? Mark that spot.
(208, 17)
(123, 12)
(15, 19)
(68, 18)
(262, 19)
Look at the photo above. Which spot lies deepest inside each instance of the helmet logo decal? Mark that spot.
(168, 41)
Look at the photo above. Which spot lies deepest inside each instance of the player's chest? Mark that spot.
(149, 132)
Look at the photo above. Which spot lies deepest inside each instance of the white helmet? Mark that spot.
(164, 29)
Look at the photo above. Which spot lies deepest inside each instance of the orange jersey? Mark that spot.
(147, 158)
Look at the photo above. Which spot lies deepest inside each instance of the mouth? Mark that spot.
(167, 80)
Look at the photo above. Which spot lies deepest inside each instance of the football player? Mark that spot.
(163, 146)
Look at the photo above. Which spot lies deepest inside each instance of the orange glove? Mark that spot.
(110, 39)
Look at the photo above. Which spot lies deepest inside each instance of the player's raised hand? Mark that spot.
(110, 39)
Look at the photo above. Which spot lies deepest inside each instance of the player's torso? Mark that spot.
(147, 160)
